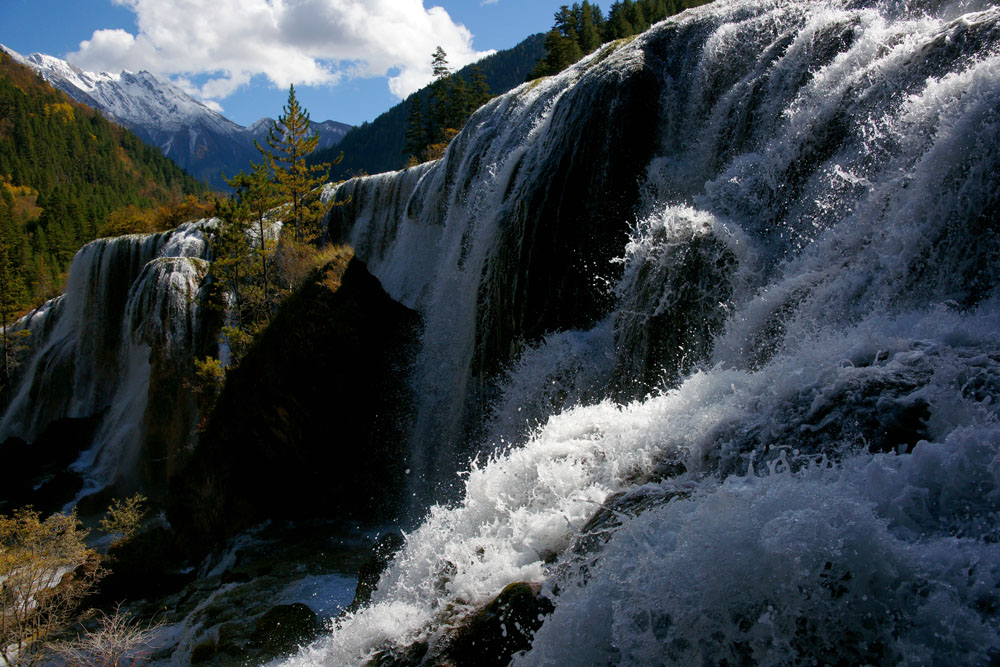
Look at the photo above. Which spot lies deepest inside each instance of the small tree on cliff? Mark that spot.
(290, 141)
(255, 196)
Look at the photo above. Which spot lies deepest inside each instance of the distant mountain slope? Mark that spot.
(200, 140)
(64, 169)
(378, 146)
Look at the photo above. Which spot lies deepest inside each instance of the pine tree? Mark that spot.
(416, 130)
(618, 24)
(255, 196)
(589, 35)
(290, 140)
(231, 258)
(438, 104)
(479, 89)
(439, 63)
(456, 102)
(12, 289)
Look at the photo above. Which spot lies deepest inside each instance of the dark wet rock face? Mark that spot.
(565, 211)
(285, 627)
(311, 421)
(488, 637)
(502, 628)
(42, 479)
(675, 298)
(563, 227)
(383, 551)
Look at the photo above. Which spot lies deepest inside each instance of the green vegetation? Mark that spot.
(46, 572)
(46, 569)
(67, 176)
(124, 517)
(296, 183)
(581, 28)
(254, 265)
(377, 146)
(452, 100)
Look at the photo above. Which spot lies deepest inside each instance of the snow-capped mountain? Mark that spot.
(202, 141)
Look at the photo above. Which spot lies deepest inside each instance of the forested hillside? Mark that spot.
(68, 175)
(578, 29)
(581, 28)
(378, 146)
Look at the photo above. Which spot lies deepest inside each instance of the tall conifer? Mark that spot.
(416, 130)
(290, 140)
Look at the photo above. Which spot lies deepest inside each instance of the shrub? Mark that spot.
(45, 571)
(125, 516)
(118, 640)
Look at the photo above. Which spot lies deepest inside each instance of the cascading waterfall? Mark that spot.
(780, 444)
(92, 346)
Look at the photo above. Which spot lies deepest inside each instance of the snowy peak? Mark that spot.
(134, 100)
(162, 114)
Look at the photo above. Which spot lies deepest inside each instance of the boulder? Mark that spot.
(383, 551)
(501, 628)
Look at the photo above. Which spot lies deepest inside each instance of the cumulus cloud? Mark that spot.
(312, 42)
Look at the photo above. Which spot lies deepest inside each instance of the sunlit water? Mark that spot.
(816, 474)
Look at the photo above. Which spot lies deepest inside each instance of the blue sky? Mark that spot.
(350, 60)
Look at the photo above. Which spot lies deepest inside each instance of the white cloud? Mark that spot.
(310, 42)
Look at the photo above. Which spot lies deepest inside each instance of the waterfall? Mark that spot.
(750, 417)
(132, 303)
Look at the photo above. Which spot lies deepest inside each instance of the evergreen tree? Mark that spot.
(455, 102)
(636, 15)
(580, 29)
(12, 290)
(562, 46)
(618, 23)
(589, 30)
(255, 195)
(439, 63)
(479, 89)
(439, 106)
(231, 257)
(291, 140)
(416, 130)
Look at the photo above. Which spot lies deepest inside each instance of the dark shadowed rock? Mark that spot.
(312, 421)
(41, 478)
(383, 551)
(500, 629)
(284, 627)
(568, 224)
(563, 216)
(146, 566)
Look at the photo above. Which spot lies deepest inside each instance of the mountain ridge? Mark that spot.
(377, 146)
(197, 138)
